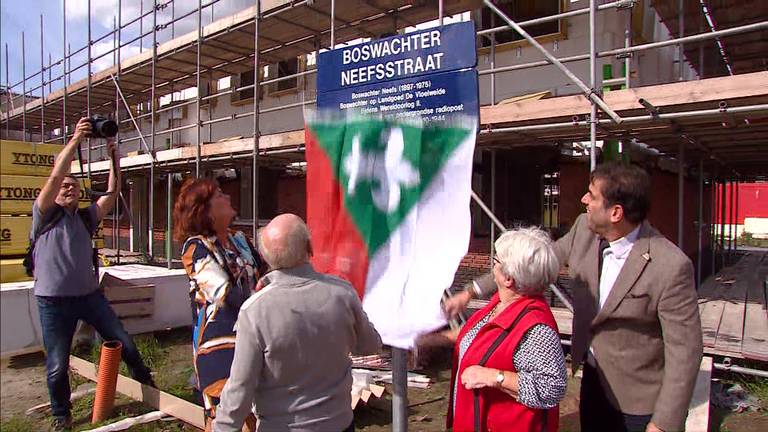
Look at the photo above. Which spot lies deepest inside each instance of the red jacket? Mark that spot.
(497, 410)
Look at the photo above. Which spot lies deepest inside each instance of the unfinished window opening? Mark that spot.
(518, 11)
(282, 69)
(242, 80)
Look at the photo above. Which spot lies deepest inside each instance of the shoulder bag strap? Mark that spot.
(485, 358)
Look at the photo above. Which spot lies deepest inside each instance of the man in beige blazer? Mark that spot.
(636, 324)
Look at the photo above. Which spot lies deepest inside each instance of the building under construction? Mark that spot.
(678, 86)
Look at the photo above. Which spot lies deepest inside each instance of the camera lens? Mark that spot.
(107, 128)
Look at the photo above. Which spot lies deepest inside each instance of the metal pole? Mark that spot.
(23, 90)
(712, 227)
(680, 192)
(493, 204)
(399, 390)
(441, 11)
(256, 126)
(681, 32)
(42, 84)
(700, 224)
(723, 206)
(8, 94)
(152, 102)
(88, 90)
(593, 84)
(118, 207)
(141, 26)
(736, 218)
(627, 44)
(133, 119)
(197, 73)
(173, 19)
(65, 72)
(730, 221)
(50, 70)
(169, 224)
(590, 93)
(493, 62)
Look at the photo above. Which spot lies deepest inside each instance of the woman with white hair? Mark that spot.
(508, 365)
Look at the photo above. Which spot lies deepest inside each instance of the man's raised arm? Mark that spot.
(61, 167)
(107, 202)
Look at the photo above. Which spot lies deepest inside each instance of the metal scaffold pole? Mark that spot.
(197, 77)
(736, 218)
(152, 148)
(256, 125)
(88, 89)
(681, 33)
(169, 223)
(42, 84)
(65, 72)
(8, 95)
(23, 90)
(723, 206)
(593, 84)
(700, 224)
(118, 203)
(680, 193)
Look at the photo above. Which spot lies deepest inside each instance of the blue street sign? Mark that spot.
(434, 50)
(431, 97)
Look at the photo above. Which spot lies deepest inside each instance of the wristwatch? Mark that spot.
(500, 378)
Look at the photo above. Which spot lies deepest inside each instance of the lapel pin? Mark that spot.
(647, 256)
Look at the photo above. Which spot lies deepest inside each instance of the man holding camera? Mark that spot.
(66, 280)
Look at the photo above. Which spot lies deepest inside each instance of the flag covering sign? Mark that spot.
(388, 209)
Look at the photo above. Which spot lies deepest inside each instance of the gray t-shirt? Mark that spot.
(63, 255)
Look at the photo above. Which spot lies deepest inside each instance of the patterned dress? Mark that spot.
(220, 280)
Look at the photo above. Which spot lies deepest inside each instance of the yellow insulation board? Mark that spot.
(27, 158)
(14, 235)
(18, 193)
(12, 270)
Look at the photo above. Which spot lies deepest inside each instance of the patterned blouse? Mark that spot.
(220, 280)
(540, 363)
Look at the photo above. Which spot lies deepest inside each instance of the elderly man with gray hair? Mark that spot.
(293, 342)
(508, 366)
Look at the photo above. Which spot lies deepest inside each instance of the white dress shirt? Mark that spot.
(614, 257)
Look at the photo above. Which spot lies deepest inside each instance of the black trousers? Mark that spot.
(596, 412)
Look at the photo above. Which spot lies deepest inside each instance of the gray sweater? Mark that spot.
(291, 365)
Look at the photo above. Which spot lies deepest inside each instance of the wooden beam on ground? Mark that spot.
(755, 342)
(731, 331)
(167, 403)
(707, 90)
(698, 410)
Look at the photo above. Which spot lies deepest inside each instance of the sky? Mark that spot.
(23, 16)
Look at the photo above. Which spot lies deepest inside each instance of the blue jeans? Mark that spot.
(58, 318)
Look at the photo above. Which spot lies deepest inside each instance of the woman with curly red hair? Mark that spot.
(223, 268)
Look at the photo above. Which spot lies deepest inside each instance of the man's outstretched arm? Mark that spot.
(61, 167)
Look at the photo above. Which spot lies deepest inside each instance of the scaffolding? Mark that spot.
(665, 118)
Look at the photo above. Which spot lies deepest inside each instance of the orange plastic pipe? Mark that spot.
(109, 364)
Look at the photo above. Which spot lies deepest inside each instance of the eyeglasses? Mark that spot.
(496, 259)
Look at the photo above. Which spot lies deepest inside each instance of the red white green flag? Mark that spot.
(388, 210)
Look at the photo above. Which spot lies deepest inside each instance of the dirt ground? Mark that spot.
(22, 385)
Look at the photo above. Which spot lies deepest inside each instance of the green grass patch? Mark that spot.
(18, 424)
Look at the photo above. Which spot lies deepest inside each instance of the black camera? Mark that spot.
(102, 127)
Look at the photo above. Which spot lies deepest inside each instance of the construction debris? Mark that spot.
(130, 422)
